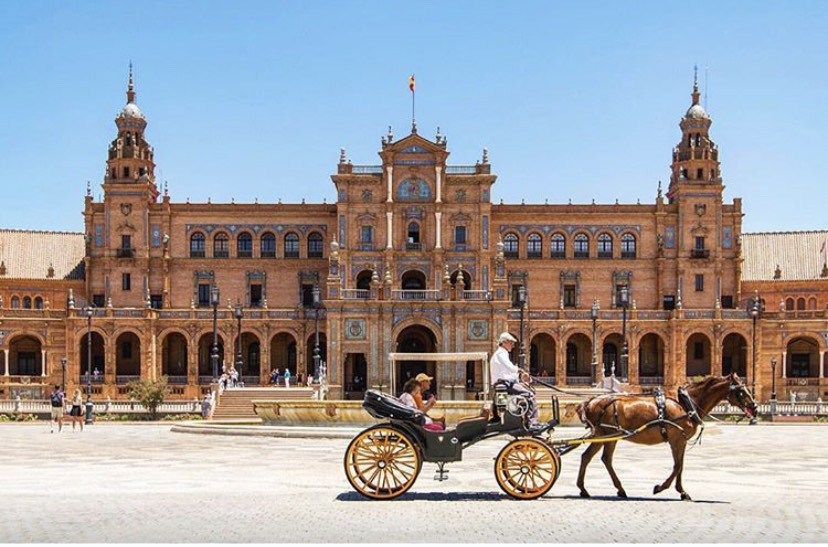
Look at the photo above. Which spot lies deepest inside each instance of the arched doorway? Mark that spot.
(697, 356)
(250, 358)
(578, 360)
(413, 285)
(415, 339)
(98, 357)
(611, 350)
(356, 375)
(802, 358)
(283, 353)
(205, 350)
(734, 355)
(542, 355)
(323, 351)
(25, 356)
(174, 358)
(363, 282)
(467, 281)
(127, 358)
(651, 359)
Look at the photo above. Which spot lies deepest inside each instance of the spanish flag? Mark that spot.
(411, 83)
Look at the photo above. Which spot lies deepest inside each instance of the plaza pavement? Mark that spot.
(131, 483)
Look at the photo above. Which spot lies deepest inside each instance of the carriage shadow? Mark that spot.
(499, 496)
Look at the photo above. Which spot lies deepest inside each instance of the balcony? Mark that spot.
(177, 380)
(421, 295)
(651, 380)
(578, 380)
(356, 294)
(700, 253)
(124, 379)
(413, 246)
(125, 252)
(477, 296)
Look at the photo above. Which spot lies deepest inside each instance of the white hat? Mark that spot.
(505, 337)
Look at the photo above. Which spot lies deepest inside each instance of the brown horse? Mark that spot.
(609, 415)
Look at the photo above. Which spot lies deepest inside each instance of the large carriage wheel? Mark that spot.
(527, 468)
(382, 463)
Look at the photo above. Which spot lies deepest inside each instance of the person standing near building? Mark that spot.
(76, 412)
(206, 406)
(503, 371)
(287, 377)
(56, 400)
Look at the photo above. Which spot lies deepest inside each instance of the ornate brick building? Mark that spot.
(413, 257)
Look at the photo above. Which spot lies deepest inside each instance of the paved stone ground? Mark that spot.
(131, 483)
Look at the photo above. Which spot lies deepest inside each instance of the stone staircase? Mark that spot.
(236, 404)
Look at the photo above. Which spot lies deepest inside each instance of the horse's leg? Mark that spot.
(606, 457)
(586, 457)
(673, 447)
(680, 447)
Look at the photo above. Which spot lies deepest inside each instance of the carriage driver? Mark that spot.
(505, 372)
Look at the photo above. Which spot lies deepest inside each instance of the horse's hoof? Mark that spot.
(685, 497)
(622, 494)
(656, 489)
(584, 494)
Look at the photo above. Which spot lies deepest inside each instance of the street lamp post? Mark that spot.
(89, 407)
(522, 302)
(238, 314)
(214, 354)
(625, 302)
(63, 377)
(754, 313)
(317, 301)
(773, 387)
(593, 313)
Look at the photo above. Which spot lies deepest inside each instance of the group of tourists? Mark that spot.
(278, 378)
(58, 404)
(229, 378)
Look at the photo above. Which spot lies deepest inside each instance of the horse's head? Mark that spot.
(740, 396)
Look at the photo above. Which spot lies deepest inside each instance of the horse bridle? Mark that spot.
(743, 397)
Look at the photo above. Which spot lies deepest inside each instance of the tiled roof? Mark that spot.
(800, 255)
(27, 254)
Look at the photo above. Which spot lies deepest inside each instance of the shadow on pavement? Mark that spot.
(432, 496)
(633, 498)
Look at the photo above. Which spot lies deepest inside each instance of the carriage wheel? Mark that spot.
(382, 463)
(527, 468)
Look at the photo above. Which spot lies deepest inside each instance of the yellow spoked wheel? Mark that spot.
(527, 468)
(382, 463)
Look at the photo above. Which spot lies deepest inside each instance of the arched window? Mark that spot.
(789, 304)
(291, 245)
(604, 246)
(244, 245)
(581, 246)
(268, 245)
(15, 302)
(38, 303)
(315, 245)
(812, 303)
(510, 246)
(412, 242)
(558, 246)
(800, 303)
(197, 245)
(27, 302)
(534, 246)
(363, 283)
(221, 246)
(627, 246)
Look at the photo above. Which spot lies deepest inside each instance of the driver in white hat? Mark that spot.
(505, 372)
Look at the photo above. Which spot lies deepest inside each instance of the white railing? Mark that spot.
(783, 408)
(398, 294)
(40, 406)
(651, 380)
(477, 295)
(578, 380)
(356, 294)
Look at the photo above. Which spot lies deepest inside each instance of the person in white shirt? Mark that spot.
(504, 371)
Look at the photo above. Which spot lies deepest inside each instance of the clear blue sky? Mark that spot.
(254, 99)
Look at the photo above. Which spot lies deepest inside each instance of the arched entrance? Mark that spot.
(25, 356)
(205, 350)
(734, 355)
(98, 357)
(697, 355)
(542, 355)
(323, 351)
(802, 358)
(578, 360)
(283, 352)
(356, 375)
(251, 351)
(651, 359)
(415, 339)
(611, 351)
(174, 358)
(127, 358)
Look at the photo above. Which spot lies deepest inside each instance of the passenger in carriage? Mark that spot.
(505, 372)
(425, 399)
(411, 390)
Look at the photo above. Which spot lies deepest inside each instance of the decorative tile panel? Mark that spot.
(477, 330)
(355, 329)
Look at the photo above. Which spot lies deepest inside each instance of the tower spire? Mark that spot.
(130, 87)
(695, 84)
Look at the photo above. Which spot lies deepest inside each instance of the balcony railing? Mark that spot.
(177, 380)
(461, 169)
(367, 170)
(804, 381)
(700, 253)
(481, 296)
(125, 379)
(413, 246)
(125, 252)
(579, 380)
(651, 380)
(397, 294)
(99, 379)
(356, 294)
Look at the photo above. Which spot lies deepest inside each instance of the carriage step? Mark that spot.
(440, 474)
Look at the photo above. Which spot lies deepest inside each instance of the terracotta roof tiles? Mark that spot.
(28, 254)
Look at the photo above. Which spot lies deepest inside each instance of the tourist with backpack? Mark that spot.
(56, 399)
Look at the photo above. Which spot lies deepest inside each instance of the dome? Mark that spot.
(131, 110)
(696, 112)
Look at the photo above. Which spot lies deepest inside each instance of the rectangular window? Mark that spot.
(307, 295)
(126, 282)
(268, 246)
(255, 296)
(699, 283)
(366, 235)
(156, 301)
(98, 300)
(126, 247)
(126, 172)
(618, 290)
(699, 173)
(727, 302)
(569, 296)
(460, 235)
(698, 350)
(727, 237)
(699, 243)
(669, 302)
(203, 295)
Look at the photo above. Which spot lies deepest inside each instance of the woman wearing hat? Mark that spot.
(425, 393)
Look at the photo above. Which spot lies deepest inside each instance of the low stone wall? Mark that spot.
(343, 413)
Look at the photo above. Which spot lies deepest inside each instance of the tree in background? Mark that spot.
(150, 393)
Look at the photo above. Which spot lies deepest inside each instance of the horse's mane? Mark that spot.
(706, 381)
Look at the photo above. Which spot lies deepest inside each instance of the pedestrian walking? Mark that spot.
(56, 399)
(287, 377)
(206, 406)
(76, 412)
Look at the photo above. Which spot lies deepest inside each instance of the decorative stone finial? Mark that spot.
(461, 279)
(232, 200)
(390, 134)
(166, 189)
(658, 195)
(50, 272)
(264, 303)
(777, 273)
(109, 302)
(388, 275)
(2, 267)
(718, 304)
(1, 302)
(446, 275)
(71, 303)
(342, 157)
(374, 275)
(192, 303)
(229, 304)
(438, 137)
(485, 156)
(88, 189)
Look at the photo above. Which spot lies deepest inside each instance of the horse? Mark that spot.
(636, 417)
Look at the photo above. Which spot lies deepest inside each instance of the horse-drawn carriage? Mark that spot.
(383, 461)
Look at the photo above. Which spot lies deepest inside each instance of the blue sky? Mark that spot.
(254, 99)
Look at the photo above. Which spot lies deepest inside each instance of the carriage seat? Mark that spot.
(470, 428)
(381, 405)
